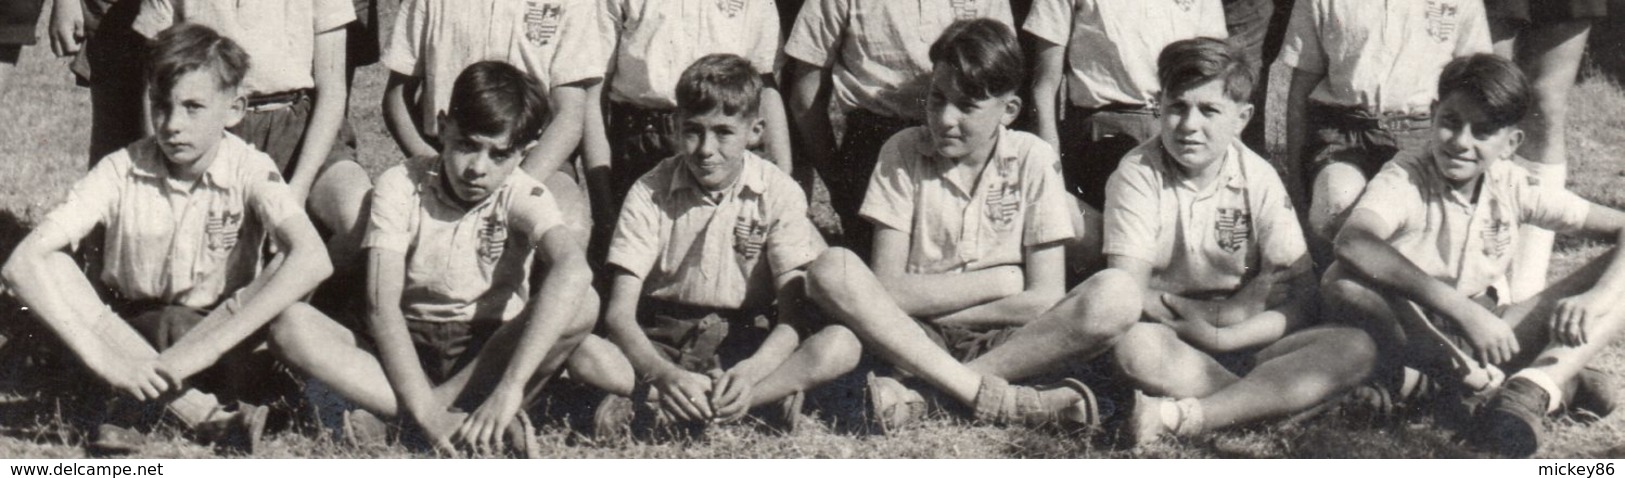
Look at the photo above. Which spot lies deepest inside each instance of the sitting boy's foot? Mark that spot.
(521, 437)
(363, 429)
(113, 440)
(238, 431)
(1156, 417)
(1511, 423)
(893, 406)
(613, 418)
(1068, 402)
(1594, 394)
(786, 414)
(1388, 396)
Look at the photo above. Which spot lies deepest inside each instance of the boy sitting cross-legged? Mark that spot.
(1205, 228)
(186, 213)
(459, 343)
(971, 221)
(1425, 254)
(708, 243)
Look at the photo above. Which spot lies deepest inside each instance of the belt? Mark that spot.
(277, 101)
(1355, 118)
(1084, 111)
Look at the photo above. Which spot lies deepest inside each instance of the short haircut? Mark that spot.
(1191, 63)
(189, 47)
(722, 82)
(493, 98)
(1495, 83)
(983, 56)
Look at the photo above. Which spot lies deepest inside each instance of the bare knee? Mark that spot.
(1336, 189)
(834, 350)
(293, 328)
(828, 278)
(1104, 307)
(1142, 351)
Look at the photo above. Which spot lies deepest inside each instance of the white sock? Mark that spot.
(1170, 414)
(1554, 393)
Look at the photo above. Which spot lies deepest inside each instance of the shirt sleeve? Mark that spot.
(1049, 217)
(1552, 208)
(890, 198)
(155, 17)
(93, 199)
(1302, 49)
(817, 32)
(635, 246)
(1475, 31)
(533, 211)
(1050, 20)
(389, 227)
(792, 241)
(1213, 20)
(764, 50)
(1280, 236)
(270, 197)
(406, 40)
(1391, 196)
(581, 54)
(332, 14)
(1132, 212)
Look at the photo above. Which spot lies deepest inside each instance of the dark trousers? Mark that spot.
(1258, 27)
(639, 138)
(1093, 141)
(848, 178)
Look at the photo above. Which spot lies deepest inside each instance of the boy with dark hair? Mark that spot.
(710, 244)
(186, 213)
(653, 40)
(1204, 228)
(970, 222)
(458, 343)
(1105, 51)
(558, 42)
(1426, 251)
(871, 58)
(1360, 93)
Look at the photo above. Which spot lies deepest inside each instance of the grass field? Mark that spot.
(44, 124)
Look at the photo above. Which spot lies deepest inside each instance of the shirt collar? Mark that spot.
(222, 173)
(752, 176)
(1230, 173)
(1003, 150)
(432, 180)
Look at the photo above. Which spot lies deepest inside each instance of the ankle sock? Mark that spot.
(1554, 393)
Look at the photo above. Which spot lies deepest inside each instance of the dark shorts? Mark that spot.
(279, 131)
(239, 373)
(966, 344)
(847, 179)
(362, 42)
(702, 339)
(17, 21)
(444, 348)
(1339, 136)
(639, 138)
(1094, 140)
(1546, 11)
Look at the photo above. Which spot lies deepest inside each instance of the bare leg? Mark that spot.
(1159, 363)
(598, 363)
(1530, 321)
(1336, 189)
(1398, 334)
(1294, 374)
(573, 205)
(1086, 323)
(338, 201)
(821, 358)
(481, 375)
(318, 347)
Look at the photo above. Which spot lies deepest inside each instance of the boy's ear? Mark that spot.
(238, 108)
(1514, 140)
(1245, 110)
(757, 127)
(1012, 110)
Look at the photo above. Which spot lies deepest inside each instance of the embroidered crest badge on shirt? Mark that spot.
(749, 235)
(1232, 228)
(1003, 197)
(222, 229)
(731, 7)
(1185, 5)
(493, 239)
(542, 21)
(964, 9)
(1497, 235)
(1441, 17)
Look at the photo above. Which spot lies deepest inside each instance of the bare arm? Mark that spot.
(1049, 59)
(1261, 321)
(732, 393)
(809, 110)
(931, 295)
(595, 155)
(399, 114)
(332, 96)
(562, 134)
(682, 392)
(1045, 285)
(304, 266)
(1574, 316)
(776, 137)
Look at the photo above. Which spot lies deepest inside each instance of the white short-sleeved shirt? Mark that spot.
(657, 39)
(692, 248)
(1112, 45)
(879, 49)
(1202, 240)
(463, 264)
(1016, 202)
(169, 242)
(557, 41)
(1382, 56)
(1468, 244)
(279, 36)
